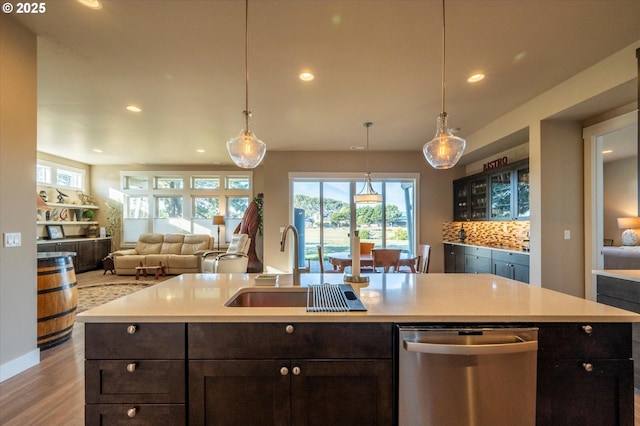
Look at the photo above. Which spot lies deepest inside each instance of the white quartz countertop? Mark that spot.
(497, 246)
(388, 298)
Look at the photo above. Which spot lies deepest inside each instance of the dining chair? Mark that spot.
(321, 262)
(424, 256)
(386, 258)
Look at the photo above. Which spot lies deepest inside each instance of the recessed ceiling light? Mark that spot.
(475, 78)
(607, 151)
(92, 4)
(133, 108)
(99, 151)
(306, 76)
(356, 148)
(200, 150)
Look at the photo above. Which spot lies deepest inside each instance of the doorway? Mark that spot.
(612, 134)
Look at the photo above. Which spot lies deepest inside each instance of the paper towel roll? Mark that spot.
(355, 256)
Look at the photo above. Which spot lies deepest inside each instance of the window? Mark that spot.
(324, 208)
(52, 174)
(168, 206)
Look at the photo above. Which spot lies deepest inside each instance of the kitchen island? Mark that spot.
(139, 347)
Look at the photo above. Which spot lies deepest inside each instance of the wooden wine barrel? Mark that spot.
(57, 298)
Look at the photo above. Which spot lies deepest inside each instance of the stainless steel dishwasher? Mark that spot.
(467, 376)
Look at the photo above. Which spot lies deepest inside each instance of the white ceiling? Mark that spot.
(182, 62)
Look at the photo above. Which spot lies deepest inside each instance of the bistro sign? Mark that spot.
(495, 164)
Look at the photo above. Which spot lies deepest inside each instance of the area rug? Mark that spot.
(96, 295)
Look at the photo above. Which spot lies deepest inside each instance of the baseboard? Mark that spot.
(20, 364)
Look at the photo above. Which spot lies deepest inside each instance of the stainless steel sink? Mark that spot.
(268, 298)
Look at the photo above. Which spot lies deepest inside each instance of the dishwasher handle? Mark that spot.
(482, 349)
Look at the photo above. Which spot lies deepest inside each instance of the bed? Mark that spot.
(621, 257)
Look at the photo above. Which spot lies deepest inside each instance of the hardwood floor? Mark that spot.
(52, 392)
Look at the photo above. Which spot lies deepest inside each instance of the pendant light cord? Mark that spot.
(247, 113)
(367, 125)
(443, 54)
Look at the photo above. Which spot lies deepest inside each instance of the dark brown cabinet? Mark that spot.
(453, 258)
(290, 374)
(584, 375)
(135, 374)
(89, 252)
(510, 265)
(477, 260)
(498, 194)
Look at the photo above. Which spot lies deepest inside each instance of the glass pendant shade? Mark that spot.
(367, 195)
(445, 149)
(246, 150)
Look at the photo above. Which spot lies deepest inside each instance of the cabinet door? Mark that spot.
(477, 264)
(569, 394)
(247, 392)
(500, 192)
(478, 198)
(88, 251)
(460, 200)
(502, 269)
(521, 273)
(453, 258)
(341, 392)
(522, 193)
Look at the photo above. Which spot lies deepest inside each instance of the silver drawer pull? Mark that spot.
(588, 367)
(131, 367)
(587, 329)
(284, 371)
(131, 412)
(132, 329)
(289, 329)
(296, 371)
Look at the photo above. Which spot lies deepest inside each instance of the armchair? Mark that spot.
(235, 260)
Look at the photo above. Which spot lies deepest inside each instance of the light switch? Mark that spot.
(12, 239)
(567, 234)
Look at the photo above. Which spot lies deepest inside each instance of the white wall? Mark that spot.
(18, 302)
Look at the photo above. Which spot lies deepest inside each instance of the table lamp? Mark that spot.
(629, 224)
(218, 220)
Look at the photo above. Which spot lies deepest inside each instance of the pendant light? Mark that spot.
(445, 149)
(246, 150)
(367, 195)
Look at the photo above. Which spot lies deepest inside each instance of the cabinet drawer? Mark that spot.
(135, 381)
(477, 264)
(571, 341)
(119, 414)
(147, 341)
(478, 251)
(305, 340)
(510, 257)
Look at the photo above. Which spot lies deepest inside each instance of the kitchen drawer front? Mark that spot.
(477, 264)
(145, 341)
(510, 257)
(147, 382)
(289, 340)
(144, 414)
(573, 341)
(478, 251)
(624, 294)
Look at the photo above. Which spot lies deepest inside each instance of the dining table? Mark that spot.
(341, 260)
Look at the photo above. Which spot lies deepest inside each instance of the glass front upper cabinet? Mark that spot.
(501, 190)
(522, 191)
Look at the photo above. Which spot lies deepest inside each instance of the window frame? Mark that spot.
(53, 175)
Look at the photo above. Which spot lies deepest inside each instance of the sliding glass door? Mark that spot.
(330, 215)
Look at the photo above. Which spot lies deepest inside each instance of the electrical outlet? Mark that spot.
(12, 239)
(567, 234)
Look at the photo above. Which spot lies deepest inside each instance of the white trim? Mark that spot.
(20, 364)
(593, 197)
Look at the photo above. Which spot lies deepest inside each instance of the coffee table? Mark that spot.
(156, 269)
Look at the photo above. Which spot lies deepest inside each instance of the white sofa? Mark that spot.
(179, 253)
(234, 261)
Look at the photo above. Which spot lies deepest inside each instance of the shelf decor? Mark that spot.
(55, 232)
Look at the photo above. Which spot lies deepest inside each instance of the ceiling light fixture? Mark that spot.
(92, 4)
(306, 76)
(445, 149)
(367, 195)
(246, 150)
(475, 78)
(133, 108)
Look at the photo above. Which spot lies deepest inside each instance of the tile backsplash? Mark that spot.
(512, 234)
